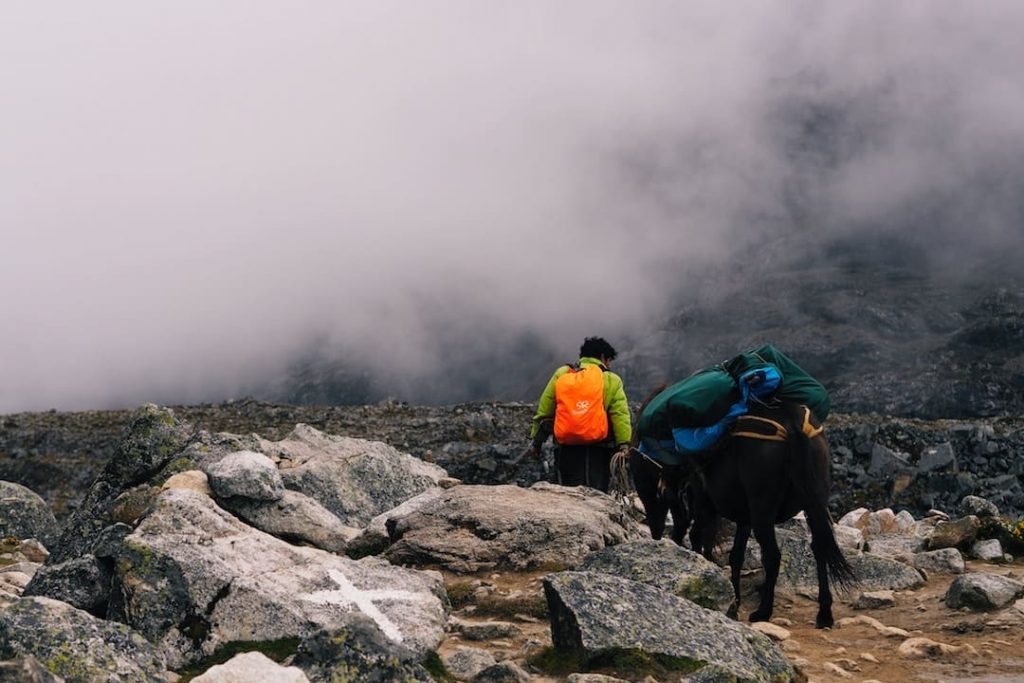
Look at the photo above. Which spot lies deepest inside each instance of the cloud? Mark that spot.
(191, 193)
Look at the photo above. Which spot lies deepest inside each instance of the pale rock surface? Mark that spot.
(250, 667)
(190, 564)
(245, 474)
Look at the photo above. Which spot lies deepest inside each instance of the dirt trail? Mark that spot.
(991, 645)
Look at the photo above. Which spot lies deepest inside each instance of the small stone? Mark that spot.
(875, 600)
(837, 670)
(771, 630)
(868, 657)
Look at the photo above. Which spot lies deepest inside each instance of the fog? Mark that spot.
(194, 195)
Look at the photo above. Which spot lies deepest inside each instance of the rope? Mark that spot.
(621, 483)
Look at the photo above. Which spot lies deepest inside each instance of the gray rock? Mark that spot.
(799, 571)
(895, 546)
(83, 582)
(470, 528)
(594, 614)
(358, 652)
(944, 561)
(875, 600)
(153, 441)
(467, 662)
(353, 478)
(977, 506)
(76, 645)
(484, 630)
(939, 457)
(24, 514)
(668, 566)
(26, 669)
(192, 577)
(989, 551)
(502, 672)
(247, 475)
(885, 462)
(374, 539)
(593, 678)
(251, 666)
(983, 591)
(294, 517)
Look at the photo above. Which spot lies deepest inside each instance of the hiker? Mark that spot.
(584, 408)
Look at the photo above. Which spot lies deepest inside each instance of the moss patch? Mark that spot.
(497, 606)
(630, 664)
(437, 670)
(277, 650)
(460, 593)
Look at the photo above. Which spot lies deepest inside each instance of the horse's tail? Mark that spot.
(812, 478)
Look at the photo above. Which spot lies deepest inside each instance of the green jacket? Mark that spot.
(615, 403)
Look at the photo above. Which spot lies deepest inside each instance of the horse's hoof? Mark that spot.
(758, 615)
(823, 622)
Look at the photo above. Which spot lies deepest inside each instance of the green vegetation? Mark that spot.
(277, 650)
(631, 664)
(437, 670)
(460, 593)
(1010, 533)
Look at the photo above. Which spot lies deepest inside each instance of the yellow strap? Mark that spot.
(809, 429)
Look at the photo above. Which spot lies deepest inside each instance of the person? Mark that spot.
(588, 463)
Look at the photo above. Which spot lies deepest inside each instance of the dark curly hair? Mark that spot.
(596, 347)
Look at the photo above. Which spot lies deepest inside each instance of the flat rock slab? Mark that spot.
(667, 566)
(471, 528)
(595, 614)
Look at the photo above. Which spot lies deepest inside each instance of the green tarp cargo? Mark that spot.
(704, 397)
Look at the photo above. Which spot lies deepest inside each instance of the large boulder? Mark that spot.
(192, 578)
(353, 478)
(155, 446)
(664, 564)
(596, 614)
(76, 645)
(981, 591)
(471, 528)
(24, 514)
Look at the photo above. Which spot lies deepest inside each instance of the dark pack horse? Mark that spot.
(773, 464)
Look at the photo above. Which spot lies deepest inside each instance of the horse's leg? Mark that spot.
(705, 522)
(646, 478)
(680, 520)
(736, 557)
(824, 618)
(771, 557)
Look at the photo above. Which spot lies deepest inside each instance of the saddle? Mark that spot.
(767, 429)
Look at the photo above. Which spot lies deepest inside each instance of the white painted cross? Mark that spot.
(347, 594)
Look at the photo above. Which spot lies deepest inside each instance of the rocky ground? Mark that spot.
(981, 648)
(172, 504)
(878, 461)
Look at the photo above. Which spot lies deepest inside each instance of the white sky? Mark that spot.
(189, 191)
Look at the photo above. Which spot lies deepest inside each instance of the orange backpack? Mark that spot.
(579, 406)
